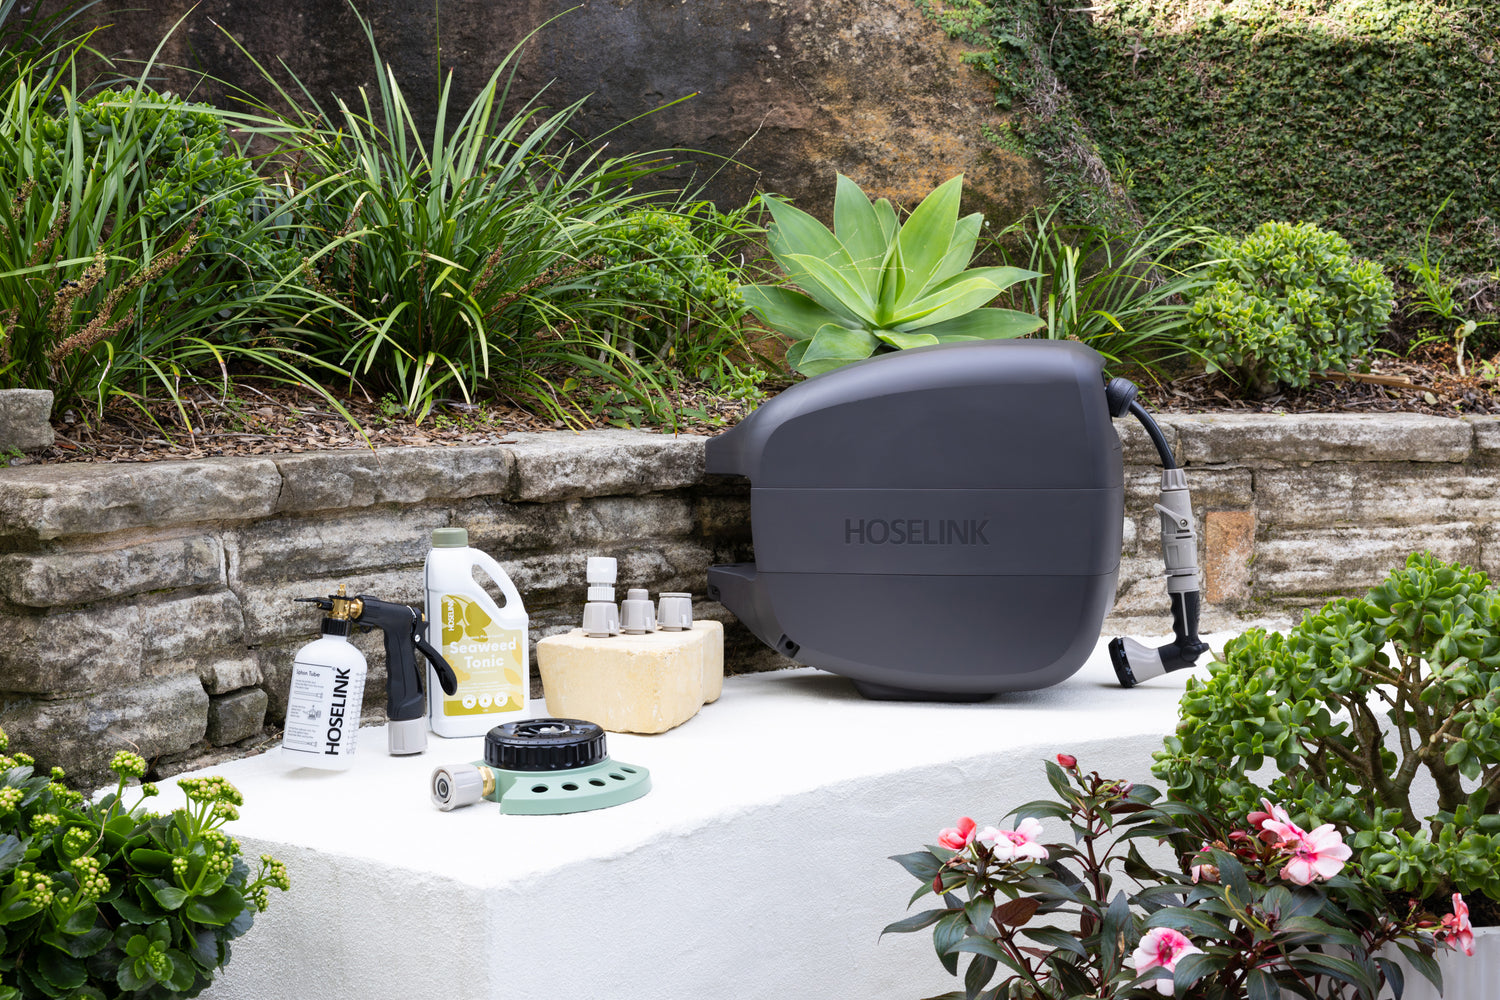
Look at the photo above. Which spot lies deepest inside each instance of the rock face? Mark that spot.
(792, 90)
(23, 419)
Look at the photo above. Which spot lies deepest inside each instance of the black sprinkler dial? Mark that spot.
(544, 745)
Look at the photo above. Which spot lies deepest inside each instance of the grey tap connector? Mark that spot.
(674, 612)
(637, 613)
(601, 615)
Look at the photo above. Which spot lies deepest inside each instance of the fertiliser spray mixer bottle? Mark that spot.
(485, 642)
(328, 681)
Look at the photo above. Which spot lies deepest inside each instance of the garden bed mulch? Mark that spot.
(268, 418)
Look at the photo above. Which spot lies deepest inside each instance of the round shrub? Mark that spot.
(1363, 700)
(1285, 302)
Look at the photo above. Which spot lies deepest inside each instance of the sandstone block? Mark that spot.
(1208, 439)
(49, 501)
(358, 542)
(236, 716)
(24, 419)
(561, 465)
(1350, 560)
(1228, 553)
(69, 576)
(332, 480)
(223, 675)
(1486, 437)
(155, 718)
(1378, 493)
(101, 645)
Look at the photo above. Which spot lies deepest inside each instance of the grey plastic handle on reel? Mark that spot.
(1134, 661)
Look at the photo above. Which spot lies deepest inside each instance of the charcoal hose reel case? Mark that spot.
(946, 522)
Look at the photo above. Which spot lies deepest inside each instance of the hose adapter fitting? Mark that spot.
(1133, 661)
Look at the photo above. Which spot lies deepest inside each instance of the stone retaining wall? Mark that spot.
(151, 604)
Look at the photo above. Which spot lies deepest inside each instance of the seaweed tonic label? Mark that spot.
(485, 656)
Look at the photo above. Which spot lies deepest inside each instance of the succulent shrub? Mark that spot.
(1285, 302)
(1352, 708)
(874, 284)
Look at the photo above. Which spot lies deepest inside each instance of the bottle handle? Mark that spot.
(502, 579)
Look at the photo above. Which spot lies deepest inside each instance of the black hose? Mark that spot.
(1168, 460)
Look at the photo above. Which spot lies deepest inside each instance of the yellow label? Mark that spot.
(488, 660)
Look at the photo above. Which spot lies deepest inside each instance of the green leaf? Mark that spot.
(155, 862)
(1112, 933)
(169, 896)
(926, 237)
(954, 301)
(960, 248)
(946, 937)
(902, 341)
(1191, 968)
(857, 227)
(835, 287)
(833, 346)
(12, 850)
(787, 310)
(1187, 920)
(985, 324)
(1056, 939)
(915, 922)
(1259, 985)
(794, 231)
(217, 909)
(60, 969)
(981, 970)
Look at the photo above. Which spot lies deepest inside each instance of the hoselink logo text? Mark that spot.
(915, 531)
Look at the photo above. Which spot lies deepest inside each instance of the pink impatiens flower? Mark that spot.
(1161, 947)
(1022, 843)
(1318, 855)
(1205, 869)
(956, 838)
(1457, 931)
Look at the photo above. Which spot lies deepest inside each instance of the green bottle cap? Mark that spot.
(450, 538)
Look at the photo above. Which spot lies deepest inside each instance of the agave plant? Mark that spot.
(874, 285)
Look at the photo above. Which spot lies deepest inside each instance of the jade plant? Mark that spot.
(874, 284)
(1351, 713)
(1286, 302)
(1253, 907)
(102, 899)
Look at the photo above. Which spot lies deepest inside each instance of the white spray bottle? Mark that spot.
(327, 690)
(483, 642)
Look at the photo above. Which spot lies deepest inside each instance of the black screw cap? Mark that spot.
(544, 745)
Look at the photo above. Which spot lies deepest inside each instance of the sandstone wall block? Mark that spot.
(1135, 443)
(58, 576)
(272, 613)
(80, 735)
(234, 717)
(1228, 551)
(358, 542)
(1486, 437)
(221, 675)
(338, 480)
(1216, 438)
(24, 419)
(1378, 493)
(49, 501)
(1350, 560)
(603, 463)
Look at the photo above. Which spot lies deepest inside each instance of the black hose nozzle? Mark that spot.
(1135, 662)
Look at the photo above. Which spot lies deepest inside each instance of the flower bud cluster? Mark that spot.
(42, 822)
(213, 789)
(92, 883)
(128, 764)
(77, 840)
(10, 798)
(34, 886)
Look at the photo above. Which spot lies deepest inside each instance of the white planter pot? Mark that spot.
(1465, 977)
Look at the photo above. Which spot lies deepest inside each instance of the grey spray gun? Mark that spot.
(405, 630)
(1134, 661)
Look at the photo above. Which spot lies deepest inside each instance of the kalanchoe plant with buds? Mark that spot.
(1258, 910)
(102, 900)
